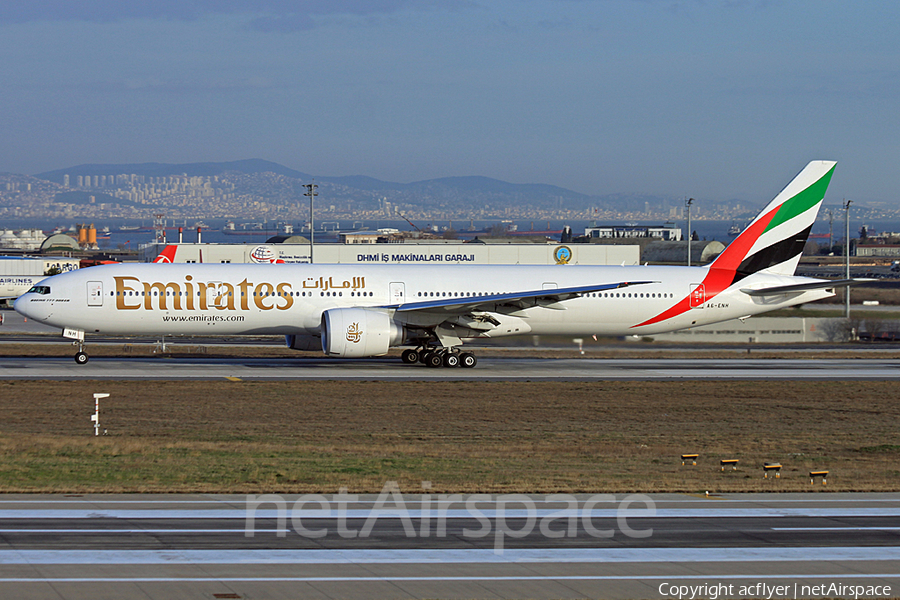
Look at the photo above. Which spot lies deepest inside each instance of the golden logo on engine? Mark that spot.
(354, 333)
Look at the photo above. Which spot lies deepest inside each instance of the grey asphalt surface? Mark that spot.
(488, 368)
(196, 546)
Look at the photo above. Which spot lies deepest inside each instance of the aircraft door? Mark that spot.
(95, 293)
(213, 289)
(550, 286)
(697, 295)
(398, 292)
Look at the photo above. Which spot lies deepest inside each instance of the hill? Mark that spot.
(447, 193)
(204, 169)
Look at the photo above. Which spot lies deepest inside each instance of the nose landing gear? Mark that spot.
(77, 337)
(81, 356)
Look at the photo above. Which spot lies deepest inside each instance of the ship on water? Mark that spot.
(257, 229)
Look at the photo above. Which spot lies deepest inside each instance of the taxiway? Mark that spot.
(158, 546)
(489, 368)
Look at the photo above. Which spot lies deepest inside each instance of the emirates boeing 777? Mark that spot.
(355, 311)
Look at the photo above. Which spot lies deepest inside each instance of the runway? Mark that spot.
(414, 546)
(488, 368)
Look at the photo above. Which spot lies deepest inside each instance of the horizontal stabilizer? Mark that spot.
(804, 287)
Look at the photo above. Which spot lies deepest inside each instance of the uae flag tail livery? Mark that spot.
(770, 245)
(774, 240)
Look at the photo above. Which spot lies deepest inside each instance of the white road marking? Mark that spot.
(132, 531)
(414, 499)
(636, 511)
(835, 528)
(400, 579)
(444, 556)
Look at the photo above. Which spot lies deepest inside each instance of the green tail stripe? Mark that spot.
(802, 202)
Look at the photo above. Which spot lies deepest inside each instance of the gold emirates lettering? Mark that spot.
(134, 294)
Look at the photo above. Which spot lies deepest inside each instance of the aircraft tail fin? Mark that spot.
(167, 255)
(774, 240)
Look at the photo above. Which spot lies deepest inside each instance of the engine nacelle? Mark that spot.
(358, 332)
(303, 342)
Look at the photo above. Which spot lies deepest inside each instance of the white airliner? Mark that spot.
(356, 311)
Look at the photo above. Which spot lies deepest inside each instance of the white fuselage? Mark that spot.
(240, 299)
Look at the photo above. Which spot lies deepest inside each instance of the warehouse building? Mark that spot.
(453, 253)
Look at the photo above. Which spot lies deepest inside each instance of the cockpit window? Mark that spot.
(43, 290)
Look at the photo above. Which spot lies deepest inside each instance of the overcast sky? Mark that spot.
(712, 99)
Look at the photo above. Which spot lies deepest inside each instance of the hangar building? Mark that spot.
(455, 253)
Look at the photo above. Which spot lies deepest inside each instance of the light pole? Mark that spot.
(687, 205)
(830, 230)
(311, 193)
(847, 257)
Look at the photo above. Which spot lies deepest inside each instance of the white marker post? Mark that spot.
(580, 342)
(96, 416)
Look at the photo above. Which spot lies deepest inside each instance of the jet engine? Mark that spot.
(358, 332)
(303, 342)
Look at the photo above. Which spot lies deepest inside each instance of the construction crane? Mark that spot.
(397, 210)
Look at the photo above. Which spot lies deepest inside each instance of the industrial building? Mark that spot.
(757, 330)
(668, 232)
(27, 239)
(448, 253)
(702, 252)
(18, 274)
(878, 250)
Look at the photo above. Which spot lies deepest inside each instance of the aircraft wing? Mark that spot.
(527, 299)
(804, 287)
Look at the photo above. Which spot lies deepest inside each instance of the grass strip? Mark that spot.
(317, 436)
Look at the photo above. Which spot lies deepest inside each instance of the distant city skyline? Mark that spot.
(255, 190)
(660, 97)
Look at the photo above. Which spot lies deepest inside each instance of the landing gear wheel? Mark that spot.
(409, 357)
(451, 360)
(423, 356)
(433, 360)
(467, 360)
(81, 357)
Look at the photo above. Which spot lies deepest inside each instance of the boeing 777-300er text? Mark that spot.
(355, 311)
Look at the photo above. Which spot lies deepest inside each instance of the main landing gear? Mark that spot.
(439, 357)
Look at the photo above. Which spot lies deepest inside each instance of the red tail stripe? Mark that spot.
(736, 252)
(721, 271)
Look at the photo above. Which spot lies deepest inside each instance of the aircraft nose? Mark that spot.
(28, 306)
